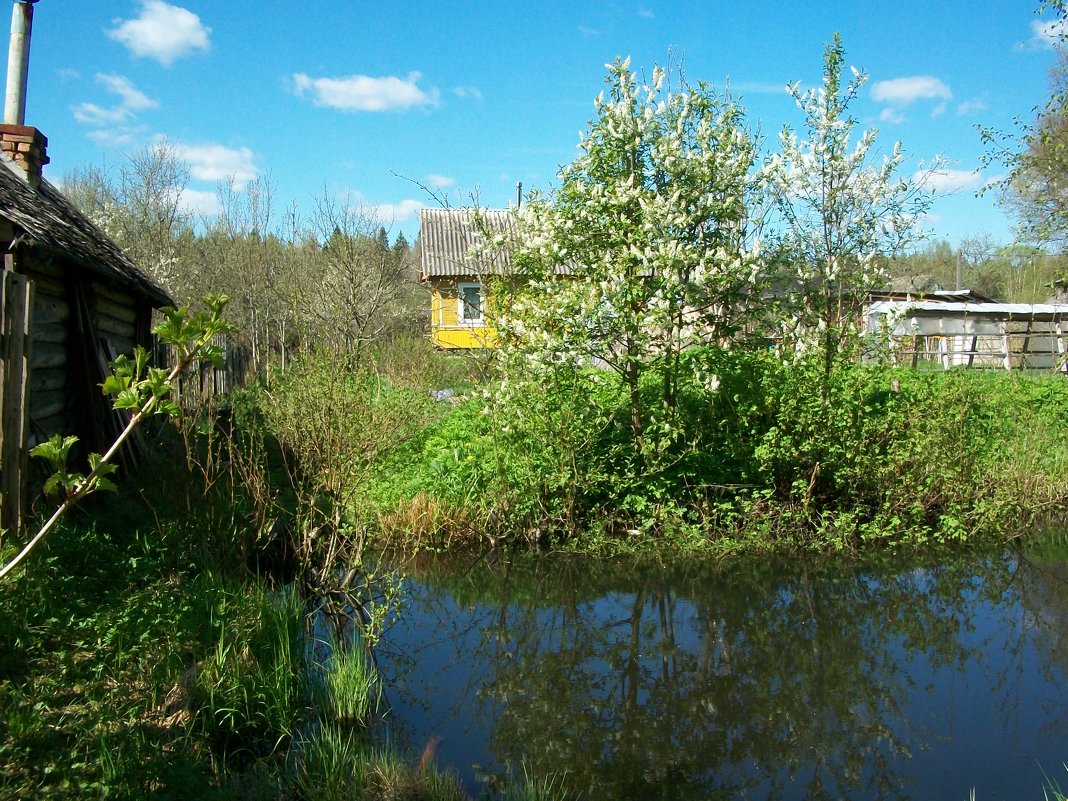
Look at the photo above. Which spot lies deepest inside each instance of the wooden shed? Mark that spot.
(457, 267)
(1011, 336)
(72, 301)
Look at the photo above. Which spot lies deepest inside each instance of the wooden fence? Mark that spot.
(16, 304)
(205, 381)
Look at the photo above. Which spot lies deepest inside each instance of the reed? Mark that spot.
(537, 788)
(351, 687)
(248, 693)
(331, 765)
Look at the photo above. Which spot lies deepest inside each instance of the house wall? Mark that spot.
(64, 394)
(50, 408)
(447, 330)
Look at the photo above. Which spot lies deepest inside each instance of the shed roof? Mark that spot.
(451, 241)
(49, 221)
(1013, 312)
(935, 295)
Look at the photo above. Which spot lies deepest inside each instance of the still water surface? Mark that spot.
(799, 680)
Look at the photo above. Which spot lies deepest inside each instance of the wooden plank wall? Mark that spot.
(116, 318)
(16, 302)
(50, 408)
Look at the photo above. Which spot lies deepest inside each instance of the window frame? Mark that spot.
(461, 305)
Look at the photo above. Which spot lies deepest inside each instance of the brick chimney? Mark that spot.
(25, 146)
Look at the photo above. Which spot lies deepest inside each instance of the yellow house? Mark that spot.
(456, 266)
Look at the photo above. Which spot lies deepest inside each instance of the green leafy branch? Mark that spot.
(140, 389)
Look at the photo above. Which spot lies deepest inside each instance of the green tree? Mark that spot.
(139, 205)
(1035, 187)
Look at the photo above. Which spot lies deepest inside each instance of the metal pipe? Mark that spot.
(18, 62)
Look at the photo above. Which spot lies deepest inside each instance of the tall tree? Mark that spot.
(354, 277)
(1035, 187)
(650, 223)
(139, 205)
(839, 214)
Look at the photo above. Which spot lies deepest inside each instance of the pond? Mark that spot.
(805, 679)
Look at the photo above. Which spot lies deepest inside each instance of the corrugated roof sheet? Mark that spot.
(1037, 312)
(51, 222)
(451, 241)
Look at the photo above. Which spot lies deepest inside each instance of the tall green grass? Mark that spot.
(349, 690)
(777, 455)
(248, 693)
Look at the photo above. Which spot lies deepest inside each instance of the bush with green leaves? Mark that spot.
(332, 425)
(873, 453)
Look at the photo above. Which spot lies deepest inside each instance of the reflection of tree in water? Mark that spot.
(1042, 582)
(753, 681)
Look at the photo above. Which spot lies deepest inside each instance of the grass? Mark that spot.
(350, 686)
(895, 458)
(332, 765)
(1051, 791)
(247, 695)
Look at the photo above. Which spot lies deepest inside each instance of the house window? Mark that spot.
(471, 303)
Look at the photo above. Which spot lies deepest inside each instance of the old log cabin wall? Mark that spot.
(72, 317)
(90, 303)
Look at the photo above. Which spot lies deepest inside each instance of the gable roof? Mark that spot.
(49, 221)
(450, 238)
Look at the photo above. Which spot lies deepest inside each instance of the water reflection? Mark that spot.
(765, 681)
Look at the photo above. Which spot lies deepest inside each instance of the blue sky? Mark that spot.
(369, 100)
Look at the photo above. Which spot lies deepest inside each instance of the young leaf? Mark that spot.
(55, 450)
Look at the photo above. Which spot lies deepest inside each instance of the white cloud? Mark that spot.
(892, 116)
(117, 136)
(131, 100)
(971, 107)
(200, 202)
(467, 92)
(1048, 33)
(364, 93)
(215, 162)
(132, 97)
(440, 181)
(588, 32)
(162, 32)
(646, 13)
(899, 93)
(388, 213)
(947, 181)
(99, 117)
(903, 91)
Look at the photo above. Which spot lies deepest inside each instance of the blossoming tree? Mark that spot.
(839, 214)
(641, 252)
